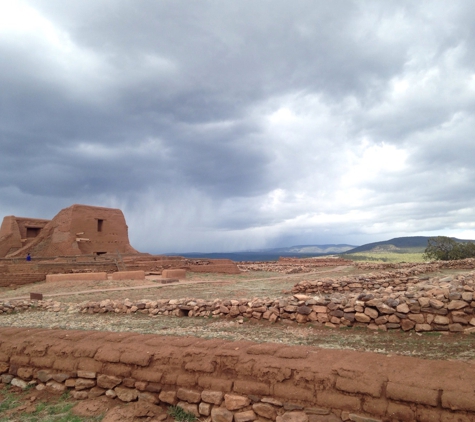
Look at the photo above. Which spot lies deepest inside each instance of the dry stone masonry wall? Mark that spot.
(379, 302)
(238, 381)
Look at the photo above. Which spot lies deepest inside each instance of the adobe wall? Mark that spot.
(78, 230)
(14, 233)
(76, 277)
(239, 380)
(128, 275)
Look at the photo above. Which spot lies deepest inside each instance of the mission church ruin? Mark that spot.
(76, 230)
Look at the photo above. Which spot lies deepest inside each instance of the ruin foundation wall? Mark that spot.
(239, 380)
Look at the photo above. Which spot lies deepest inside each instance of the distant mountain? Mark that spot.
(399, 244)
(301, 251)
(311, 249)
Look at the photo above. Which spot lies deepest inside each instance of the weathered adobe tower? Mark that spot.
(77, 230)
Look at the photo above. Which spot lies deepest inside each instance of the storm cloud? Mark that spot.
(223, 125)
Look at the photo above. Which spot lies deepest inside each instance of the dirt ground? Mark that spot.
(262, 284)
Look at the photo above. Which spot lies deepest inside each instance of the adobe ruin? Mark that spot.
(76, 230)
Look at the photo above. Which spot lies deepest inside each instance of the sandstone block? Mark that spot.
(204, 409)
(214, 397)
(108, 381)
(220, 414)
(424, 302)
(423, 327)
(25, 373)
(17, 382)
(360, 317)
(190, 396)
(189, 407)
(417, 318)
(455, 328)
(441, 320)
(359, 418)
(246, 416)
(457, 304)
(126, 394)
(55, 387)
(84, 383)
(79, 395)
(403, 308)
(458, 400)
(293, 417)
(148, 397)
(265, 410)
(86, 374)
(407, 324)
(235, 402)
(168, 397)
(372, 313)
(96, 392)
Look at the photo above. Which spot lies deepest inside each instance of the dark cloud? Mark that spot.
(228, 125)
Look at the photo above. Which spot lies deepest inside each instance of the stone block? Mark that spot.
(204, 409)
(189, 407)
(293, 417)
(190, 396)
(168, 396)
(84, 383)
(108, 381)
(235, 402)
(265, 410)
(213, 397)
(126, 394)
(246, 416)
(221, 414)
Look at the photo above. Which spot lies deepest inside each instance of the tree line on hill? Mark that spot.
(442, 248)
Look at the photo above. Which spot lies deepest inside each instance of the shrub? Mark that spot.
(442, 248)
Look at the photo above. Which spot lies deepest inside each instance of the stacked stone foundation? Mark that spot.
(238, 381)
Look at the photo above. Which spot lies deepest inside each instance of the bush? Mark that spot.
(442, 248)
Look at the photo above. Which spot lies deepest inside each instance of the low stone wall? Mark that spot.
(76, 276)
(128, 275)
(424, 315)
(240, 381)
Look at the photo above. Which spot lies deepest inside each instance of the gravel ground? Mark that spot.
(429, 346)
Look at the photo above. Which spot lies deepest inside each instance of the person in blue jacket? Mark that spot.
(28, 257)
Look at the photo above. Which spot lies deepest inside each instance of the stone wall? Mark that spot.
(240, 381)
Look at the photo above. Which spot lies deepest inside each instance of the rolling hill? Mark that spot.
(399, 244)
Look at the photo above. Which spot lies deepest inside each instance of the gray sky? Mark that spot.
(229, 125)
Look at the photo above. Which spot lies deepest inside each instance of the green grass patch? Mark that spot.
(385, 256)
(59, 410)
(180, 414)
